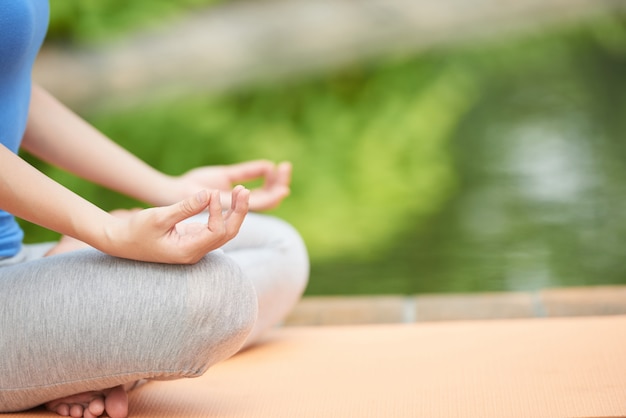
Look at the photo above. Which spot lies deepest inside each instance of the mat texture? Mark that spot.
(572, 367)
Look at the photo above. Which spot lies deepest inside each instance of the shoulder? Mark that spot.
(23, 24)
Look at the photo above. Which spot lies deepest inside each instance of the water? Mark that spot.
(499, 166)
(540, 202)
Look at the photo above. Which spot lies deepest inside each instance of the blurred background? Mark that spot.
(461, 146)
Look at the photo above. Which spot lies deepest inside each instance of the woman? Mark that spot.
(160, 293)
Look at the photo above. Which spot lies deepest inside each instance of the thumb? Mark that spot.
(189, 207)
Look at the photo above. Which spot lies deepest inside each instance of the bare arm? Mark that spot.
(148, 235)
(30, 195)
(57, 135)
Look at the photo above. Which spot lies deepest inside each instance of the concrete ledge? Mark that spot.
(350, 310)
(584, 301)
(339, 310)
(474, 306)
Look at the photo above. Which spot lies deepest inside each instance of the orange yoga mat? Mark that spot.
(565, 367)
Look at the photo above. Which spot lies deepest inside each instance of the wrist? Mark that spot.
(166, 190)
(109, 237)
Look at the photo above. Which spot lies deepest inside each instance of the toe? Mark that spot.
(116, 403)
(61, 409)
(96, 407)
(76, 411)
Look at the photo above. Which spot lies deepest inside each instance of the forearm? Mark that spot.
(30, 195)
(58, 136)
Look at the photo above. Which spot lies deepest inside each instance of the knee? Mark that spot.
(221, 312)
(289, 242)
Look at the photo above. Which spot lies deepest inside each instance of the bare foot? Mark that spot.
(66, 244)
(113, 401)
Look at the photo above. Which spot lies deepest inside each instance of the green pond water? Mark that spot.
(486, 167)
(539, 161)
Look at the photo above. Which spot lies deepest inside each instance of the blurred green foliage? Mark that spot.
(540, 164)
(401, 182)
(99, 20)
(368, 146)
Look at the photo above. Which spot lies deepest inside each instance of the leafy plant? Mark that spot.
(99, 20)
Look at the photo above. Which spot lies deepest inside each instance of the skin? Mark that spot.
(113, 401)
(58, 136)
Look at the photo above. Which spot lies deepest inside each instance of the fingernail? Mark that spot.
(201, 196)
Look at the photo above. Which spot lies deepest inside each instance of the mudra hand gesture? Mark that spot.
(275, 177)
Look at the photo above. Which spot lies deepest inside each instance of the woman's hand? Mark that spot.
(275, 187)
(157, 234)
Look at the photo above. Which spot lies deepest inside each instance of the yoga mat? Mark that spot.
(557, 367)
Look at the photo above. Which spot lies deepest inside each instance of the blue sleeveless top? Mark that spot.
(23, 26)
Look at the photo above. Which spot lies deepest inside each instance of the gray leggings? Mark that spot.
(85, 321)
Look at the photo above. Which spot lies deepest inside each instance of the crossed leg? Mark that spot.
(271, 254)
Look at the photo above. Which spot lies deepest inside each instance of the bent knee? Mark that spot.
(295, 257)
(221, 311)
